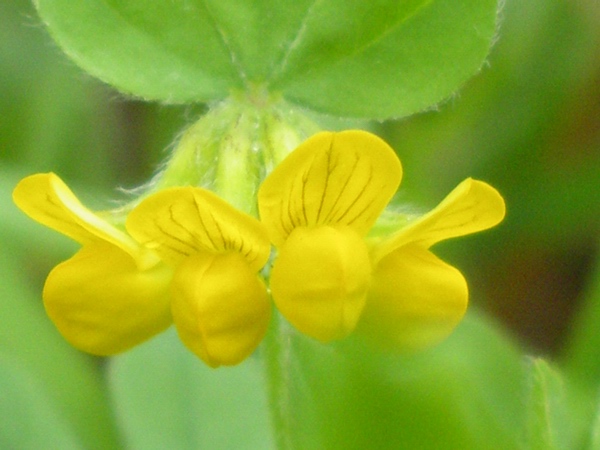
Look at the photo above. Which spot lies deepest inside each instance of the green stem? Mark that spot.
(276, 356)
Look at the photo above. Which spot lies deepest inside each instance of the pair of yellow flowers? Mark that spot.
(189, 258)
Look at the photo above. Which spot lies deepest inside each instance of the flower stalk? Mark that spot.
(276, 359)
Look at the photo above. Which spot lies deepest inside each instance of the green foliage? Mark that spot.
(30, 420)
(455, 396)
(402, 57)
(166, 398)
(594, 443)
(349, 58)
(51, 393)
(582, 351)
(550, 422)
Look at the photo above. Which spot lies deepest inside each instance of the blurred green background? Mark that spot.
(529, 124)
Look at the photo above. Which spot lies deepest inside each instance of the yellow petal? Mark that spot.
(183, 221)
(220, 307)
(415, 300)
(102, 303)
(319, 280)
(472, 206)
(333, 179)
(45, 198)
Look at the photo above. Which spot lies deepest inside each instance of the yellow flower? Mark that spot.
(416, 299)
(112, 294)
(220, 305)
(318, 205)
(328, 279)
(189, 258)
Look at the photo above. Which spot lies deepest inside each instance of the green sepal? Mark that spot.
(232, 148)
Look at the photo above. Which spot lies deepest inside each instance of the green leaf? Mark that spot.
(378, 59)
(551, 422)
(69, 379)
(165, 397)
(29, 419)
(581, 353)
(386, 58)
(546, 407)
(594, 442)
(172, 51)
(463, 394)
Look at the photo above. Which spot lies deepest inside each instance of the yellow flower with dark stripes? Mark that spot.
(187, 257)
(220, 305)
(330, 277)
(110, 296)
